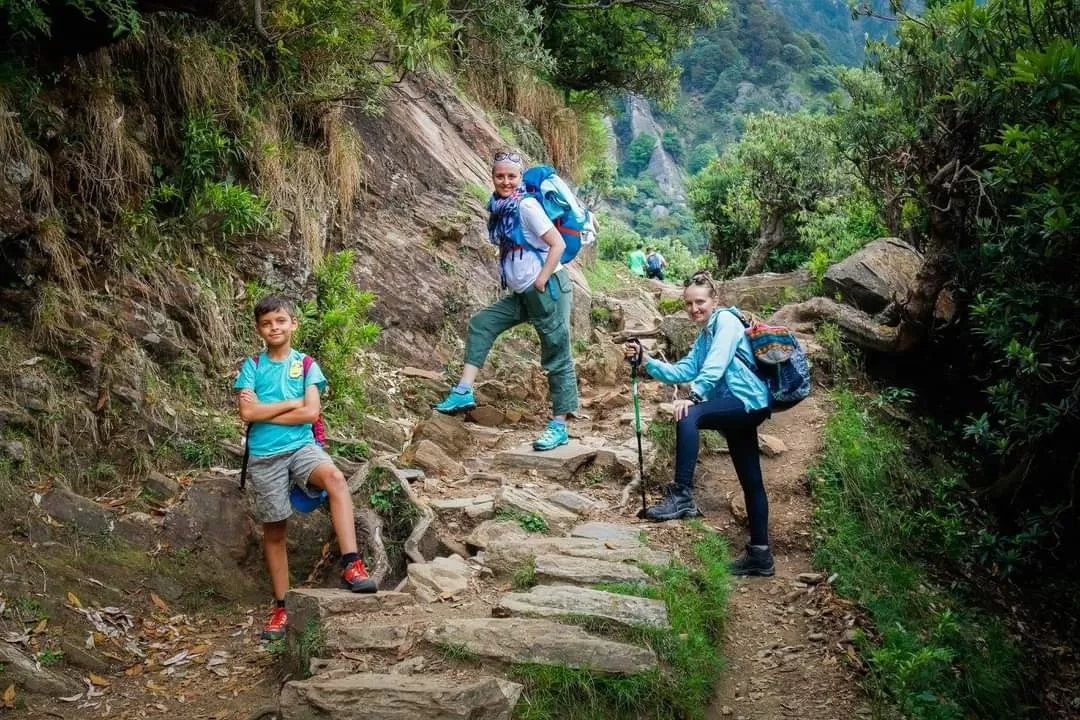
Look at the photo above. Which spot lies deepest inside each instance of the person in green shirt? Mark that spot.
(636, 261)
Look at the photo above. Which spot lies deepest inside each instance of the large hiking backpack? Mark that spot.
(653, 262)
(318, 428)
(572, 219)
(779, 360)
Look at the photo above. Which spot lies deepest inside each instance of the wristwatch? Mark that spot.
(695, 398)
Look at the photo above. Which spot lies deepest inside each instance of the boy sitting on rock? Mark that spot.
(279, 397)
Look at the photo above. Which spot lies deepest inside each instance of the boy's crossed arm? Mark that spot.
(298, 411)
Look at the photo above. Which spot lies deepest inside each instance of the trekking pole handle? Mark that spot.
(638, 355)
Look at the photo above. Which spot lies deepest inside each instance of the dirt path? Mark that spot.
(785, 652)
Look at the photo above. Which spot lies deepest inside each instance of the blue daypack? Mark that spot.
(572, 219)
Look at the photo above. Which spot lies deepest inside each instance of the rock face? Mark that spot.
(662, 166)
(581, 312)
(543, 642)
(556, 601)
(214, 516)
(398, 697)
(442, 577)
(871, 278)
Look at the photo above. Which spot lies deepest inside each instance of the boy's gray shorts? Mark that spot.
(273, 477)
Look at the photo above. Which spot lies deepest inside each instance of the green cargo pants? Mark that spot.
(551, 318)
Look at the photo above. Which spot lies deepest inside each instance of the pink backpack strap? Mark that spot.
(318, 428)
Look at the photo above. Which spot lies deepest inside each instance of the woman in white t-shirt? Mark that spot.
(541, 293)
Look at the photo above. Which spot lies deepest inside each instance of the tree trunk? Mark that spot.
(772, 233)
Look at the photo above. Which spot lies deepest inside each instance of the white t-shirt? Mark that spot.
(522, 268)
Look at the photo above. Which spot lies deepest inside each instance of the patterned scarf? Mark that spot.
(504, 223)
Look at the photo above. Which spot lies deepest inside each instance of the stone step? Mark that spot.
(608, 531)
(521, 500)
(554, 601)
(398, 697)
(585, 571)
(442, 578)
(506, 554)
(306, 604)
(345, 634)
(524, 640)
(558, 464)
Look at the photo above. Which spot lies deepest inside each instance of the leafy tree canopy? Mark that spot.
(617, 46)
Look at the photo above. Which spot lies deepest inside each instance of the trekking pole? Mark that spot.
(634, 363)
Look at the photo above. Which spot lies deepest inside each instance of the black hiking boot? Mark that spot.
(677, 503)
(753, 562)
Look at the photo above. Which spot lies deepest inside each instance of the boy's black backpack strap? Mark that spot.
(247, 454)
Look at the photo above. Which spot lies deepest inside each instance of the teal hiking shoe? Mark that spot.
(457, 402)
(552, 437)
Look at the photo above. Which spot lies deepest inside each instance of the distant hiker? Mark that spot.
(636, 260)
(279, 397)
(654, 264)
(530, 248)
(725, 395)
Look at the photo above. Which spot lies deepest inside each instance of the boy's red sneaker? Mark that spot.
(275, 626)
(355, 578)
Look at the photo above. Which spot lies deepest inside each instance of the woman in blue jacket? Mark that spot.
(725, 395)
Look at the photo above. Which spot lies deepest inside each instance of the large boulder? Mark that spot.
(213, 516)
(447, 432)
(26, 674)
(753, 292)
(679, 331)
(876, 275)
(82, 514)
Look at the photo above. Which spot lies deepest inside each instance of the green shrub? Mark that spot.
(877, 523)
(334, 329)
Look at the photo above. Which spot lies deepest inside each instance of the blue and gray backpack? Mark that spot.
(572, 219)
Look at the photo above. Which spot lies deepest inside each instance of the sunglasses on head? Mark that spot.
(508, 157)
(699, 278)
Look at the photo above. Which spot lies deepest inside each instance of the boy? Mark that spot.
(281, 402)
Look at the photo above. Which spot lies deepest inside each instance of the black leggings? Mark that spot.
(727, 414)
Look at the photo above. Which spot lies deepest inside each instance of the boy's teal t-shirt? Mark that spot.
(274, 381)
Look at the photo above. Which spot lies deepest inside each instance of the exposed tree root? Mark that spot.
(369, 533)
(420, 527)
(863, 330)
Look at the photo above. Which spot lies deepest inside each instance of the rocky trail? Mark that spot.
(481, 593)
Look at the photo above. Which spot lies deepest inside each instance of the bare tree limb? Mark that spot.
(864, 330)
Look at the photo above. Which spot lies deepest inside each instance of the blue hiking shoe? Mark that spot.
(552, 437)
(457, 402)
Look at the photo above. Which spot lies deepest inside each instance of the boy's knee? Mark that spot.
(335, 483)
